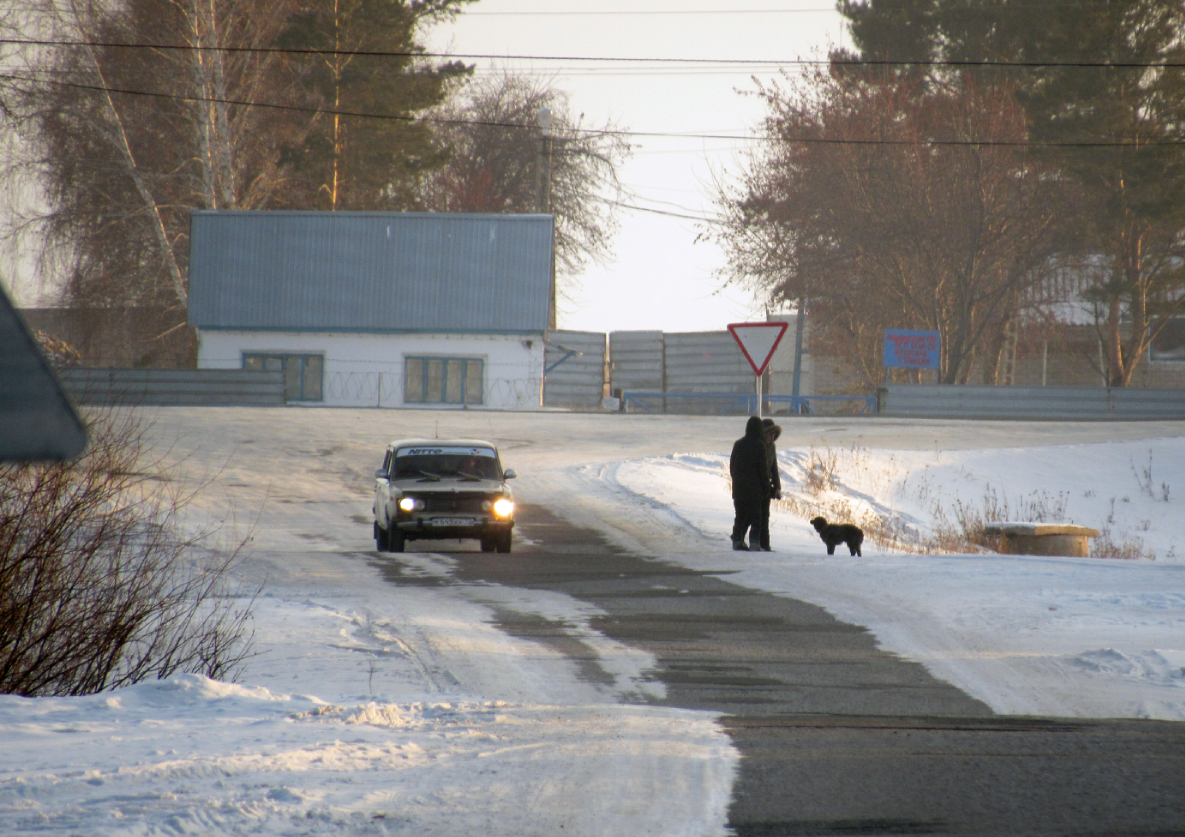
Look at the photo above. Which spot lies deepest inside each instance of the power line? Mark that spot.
(269, 105)
(668, 213)
(1062, 7)
(655, 12)
(1053, 4)
(740, 62)
(986, 143)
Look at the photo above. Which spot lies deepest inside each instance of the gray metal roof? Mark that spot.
(370, 271)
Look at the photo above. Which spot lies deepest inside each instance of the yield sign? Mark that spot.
(758, 341)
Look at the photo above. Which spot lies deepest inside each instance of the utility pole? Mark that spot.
(795, 405)
(543, 199)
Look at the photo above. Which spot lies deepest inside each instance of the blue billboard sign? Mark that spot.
(912, 349)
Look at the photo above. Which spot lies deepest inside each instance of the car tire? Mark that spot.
(396, 541)
(381, 538)
(488, 544)
(503, 542)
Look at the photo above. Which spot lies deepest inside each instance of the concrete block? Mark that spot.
(1043, 538)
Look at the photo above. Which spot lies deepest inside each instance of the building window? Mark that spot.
(302, 373)
(443, 380)
(1169, 344)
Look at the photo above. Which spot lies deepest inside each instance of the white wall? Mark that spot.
(366, 370)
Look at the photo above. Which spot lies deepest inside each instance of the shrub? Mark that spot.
(99, 585)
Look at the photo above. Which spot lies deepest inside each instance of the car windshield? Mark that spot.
(450, 463)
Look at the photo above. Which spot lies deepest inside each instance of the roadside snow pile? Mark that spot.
(1164, 667)
(190, 755)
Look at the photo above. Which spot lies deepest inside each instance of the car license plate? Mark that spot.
(451, 521)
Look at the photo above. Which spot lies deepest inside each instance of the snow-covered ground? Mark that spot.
(1027, 635)
(378, 708)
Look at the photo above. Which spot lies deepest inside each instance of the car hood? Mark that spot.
(450, 485)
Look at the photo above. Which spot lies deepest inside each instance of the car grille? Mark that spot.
(455, 503)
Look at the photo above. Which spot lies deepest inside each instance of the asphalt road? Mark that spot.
(836, 736)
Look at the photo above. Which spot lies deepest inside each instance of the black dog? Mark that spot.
(837, 533)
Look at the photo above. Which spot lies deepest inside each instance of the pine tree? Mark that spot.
(345, 161)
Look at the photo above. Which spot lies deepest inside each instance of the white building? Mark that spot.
(386, 309)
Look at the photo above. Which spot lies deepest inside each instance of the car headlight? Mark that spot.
(408, 504)
(503, 507)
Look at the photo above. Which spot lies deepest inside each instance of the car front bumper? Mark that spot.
(452, 526)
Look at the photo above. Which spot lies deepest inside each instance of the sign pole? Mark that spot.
(759, 396)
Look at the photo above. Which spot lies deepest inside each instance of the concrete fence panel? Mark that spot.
(708, 362)
(175, 387)
(635, 360)
(574, 370)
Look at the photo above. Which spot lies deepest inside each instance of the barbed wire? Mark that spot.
(386, 389)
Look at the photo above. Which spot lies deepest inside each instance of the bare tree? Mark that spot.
(1143, 291)
(496, 149)
(148, 109)
(99, 585)
(1104, 86)
(124, 141)
(892, 202)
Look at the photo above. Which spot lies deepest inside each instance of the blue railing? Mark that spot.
(747, 404)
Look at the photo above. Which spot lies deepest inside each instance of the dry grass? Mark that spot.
(887, 532)
(820, 480)
(957, 527)
(99, 585)
(1110, 544)
(820, 471)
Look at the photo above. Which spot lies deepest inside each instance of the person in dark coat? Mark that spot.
(770, 433)
(751, 488)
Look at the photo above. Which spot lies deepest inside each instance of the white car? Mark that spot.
(436, 489)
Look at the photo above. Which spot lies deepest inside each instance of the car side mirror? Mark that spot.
(509, 474)
(380, 474)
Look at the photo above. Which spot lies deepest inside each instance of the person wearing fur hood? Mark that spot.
(751, 487)
(770, 433)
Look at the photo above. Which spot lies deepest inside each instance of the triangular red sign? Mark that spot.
(758, 341)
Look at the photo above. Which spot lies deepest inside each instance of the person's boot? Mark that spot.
(739, 546)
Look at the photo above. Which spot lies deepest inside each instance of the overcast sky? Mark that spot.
(660, 278)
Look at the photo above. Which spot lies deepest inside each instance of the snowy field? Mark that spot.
(373, 708)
